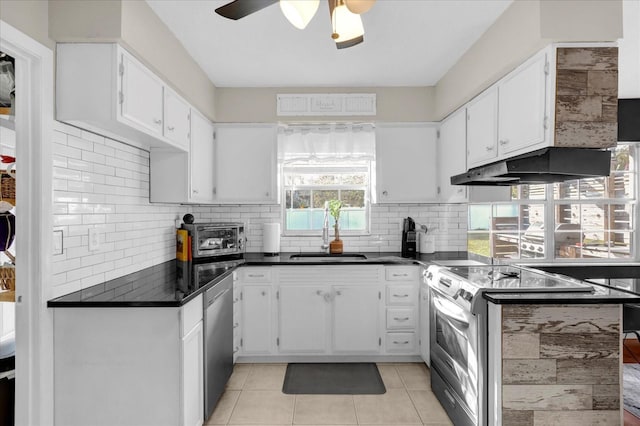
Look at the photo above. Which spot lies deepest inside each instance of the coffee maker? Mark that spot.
(409, 238)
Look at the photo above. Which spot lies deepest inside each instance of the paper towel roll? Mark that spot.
(271, 239)
(427, 242)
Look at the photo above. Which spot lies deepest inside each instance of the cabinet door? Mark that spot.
(522, 106)
(356, 317)
(176, 119)
(245, 166)
(141, 102)
(452, 157)
(256, 319)
(193, 376)
(424, 325)
(482, 128)
(303, 318)
(201, 155)
(406, 163)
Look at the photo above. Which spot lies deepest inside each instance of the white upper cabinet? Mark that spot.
(406, 163)
(177, 115)
(104, 89)
(140, 95)
(201, 159)
(245, 166)
(522, 106)
(452, 156)
(482, 128)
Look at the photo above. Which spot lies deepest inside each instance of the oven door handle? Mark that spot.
(451, 311)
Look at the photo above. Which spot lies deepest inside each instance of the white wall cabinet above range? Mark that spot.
(563, 96)
(102, 88)
(185, 177)
(406, 163)
(452, 157)
(245, 166)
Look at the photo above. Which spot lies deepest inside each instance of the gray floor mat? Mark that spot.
(333, 379)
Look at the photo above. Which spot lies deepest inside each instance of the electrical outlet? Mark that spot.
(94, 239)
(58, 247)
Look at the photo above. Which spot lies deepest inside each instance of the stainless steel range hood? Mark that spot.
(542, 166)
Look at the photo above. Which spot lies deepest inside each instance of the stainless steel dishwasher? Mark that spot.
(218, 341)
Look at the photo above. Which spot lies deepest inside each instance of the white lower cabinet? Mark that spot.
(328, 310)
(256, 319)
(302, 319)
(193, 376)
(129, 366)
(355, 325)
(424, 324)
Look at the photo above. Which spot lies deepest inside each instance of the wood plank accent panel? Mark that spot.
(586, 85)
(561, 364)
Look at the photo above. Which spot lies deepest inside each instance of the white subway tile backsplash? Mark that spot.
(104, 184)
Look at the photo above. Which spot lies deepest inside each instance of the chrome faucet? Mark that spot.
(325, 227)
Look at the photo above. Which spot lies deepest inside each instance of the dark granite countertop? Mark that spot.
(172, 284)
(169, 284)
(602, 294)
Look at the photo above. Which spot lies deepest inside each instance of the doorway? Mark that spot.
(33, 230)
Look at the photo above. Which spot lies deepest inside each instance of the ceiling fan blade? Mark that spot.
(359, 6)
(349, 43)
(240, 8)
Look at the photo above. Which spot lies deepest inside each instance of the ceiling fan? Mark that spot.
(346, 23)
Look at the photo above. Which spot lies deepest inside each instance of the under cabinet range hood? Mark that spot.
(545, 165)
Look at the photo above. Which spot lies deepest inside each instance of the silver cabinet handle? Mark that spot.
(395, 342)
(400, 275)
(157, 121)
(385, 193)
(489, 148)
(195, 191)
(318, 292)
(338, 293)
(170, 128)
(401, 319)
(504, 142)
(400, 295)
(255, 275)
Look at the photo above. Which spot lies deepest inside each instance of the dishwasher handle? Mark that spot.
(211, 300)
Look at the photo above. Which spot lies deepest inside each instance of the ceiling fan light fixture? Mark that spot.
(299, 12)
(347, 27)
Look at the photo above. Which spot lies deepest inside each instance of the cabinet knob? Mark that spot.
(266, 194)
(338, 293)
(489, 148)
(264, 293)
(170, 128)
(504, 142)
(157, 121)
(385, 193)
(195, 191)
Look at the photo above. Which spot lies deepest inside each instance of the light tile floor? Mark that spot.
(254, 397)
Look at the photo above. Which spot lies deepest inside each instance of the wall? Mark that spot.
(524, 28)
(448, 222)
(629, 48)
(29, 16)
(104, 184)
(258, 105)
(134, 24)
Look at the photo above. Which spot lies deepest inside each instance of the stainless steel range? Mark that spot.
(458, 335)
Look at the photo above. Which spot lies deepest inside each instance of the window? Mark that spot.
(321, 163)
(587, 218)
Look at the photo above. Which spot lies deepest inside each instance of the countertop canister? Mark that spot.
(271, 238)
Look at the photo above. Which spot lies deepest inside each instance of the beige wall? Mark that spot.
(85, 21)
(524, 28)
(29, 16)
(258, 105)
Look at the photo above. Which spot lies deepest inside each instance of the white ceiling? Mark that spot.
(407, 43)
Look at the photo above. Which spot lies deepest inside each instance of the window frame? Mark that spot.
(318, 166)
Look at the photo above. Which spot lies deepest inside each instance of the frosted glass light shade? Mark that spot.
(346, 25)
(299, 12)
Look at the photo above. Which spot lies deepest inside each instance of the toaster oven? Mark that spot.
(216, 239)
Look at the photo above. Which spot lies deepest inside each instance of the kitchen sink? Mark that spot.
(324, 257)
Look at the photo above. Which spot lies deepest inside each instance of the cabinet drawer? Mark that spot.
(401, 318)
(402, 273)
(191, 314)
(402, 294)
(401, 342)
(255, 275)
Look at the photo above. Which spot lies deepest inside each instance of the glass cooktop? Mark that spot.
(505, 277)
